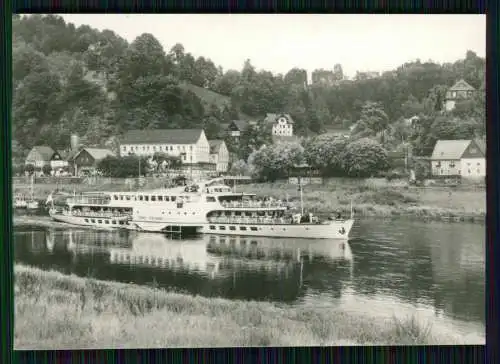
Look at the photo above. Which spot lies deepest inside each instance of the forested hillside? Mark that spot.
(80, 80)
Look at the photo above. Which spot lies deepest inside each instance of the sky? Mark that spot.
(280, 42)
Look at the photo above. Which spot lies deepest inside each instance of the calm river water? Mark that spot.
(432, 270)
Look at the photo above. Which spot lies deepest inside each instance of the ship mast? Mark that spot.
(301, 198)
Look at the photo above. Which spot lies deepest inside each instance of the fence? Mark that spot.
(48, 180)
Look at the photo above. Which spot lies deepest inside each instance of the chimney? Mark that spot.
(75, 141)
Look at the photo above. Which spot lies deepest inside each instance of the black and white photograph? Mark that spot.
(221, 180)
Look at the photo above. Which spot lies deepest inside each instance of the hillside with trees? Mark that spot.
(69, 79)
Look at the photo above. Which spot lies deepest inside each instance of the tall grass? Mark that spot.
(374, 200)
(57, 311)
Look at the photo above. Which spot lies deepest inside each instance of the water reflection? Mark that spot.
(434, 264)
(385, 266)
(231, 267)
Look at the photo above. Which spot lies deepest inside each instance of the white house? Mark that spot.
(42, 155)
(458, 92)
(219, 155)
(282, 124)
(191, 145)
(465, 158)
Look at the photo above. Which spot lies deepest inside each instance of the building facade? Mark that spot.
(85, 161)
(465, 158)
(191, 145)
(219, 155)
(282, 124)
(458, 92)
(40, 156)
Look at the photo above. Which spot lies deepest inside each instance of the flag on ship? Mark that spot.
(49, 199)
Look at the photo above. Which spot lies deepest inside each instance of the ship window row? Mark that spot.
(233, 228)
(113, 222)
(145, 198)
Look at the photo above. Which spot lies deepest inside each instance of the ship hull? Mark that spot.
(330, 230)
(105, 224)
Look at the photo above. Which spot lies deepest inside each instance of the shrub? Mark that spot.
(30, 168)
(46, 169)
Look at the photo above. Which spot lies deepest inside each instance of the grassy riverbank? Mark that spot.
(432, 203)
(53, 310)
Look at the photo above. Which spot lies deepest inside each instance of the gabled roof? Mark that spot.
(272, 118)
(461, 85)
(63, 153)
(215, 145)
(242, 125)
(45, 151)
(162, 136)
(449, 149)
(96, 153)
(481, 145)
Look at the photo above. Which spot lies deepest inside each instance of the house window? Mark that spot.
(160, 198)
(243, 228)
(253, 228)
(171, 148)
(222, 227)
(212, 227)
(473, 150)
(232, 228)
(146, 198)
(143, 147)
(153, 198)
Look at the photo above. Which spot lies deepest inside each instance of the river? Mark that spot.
(389, 268)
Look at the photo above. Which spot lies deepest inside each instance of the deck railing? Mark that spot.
(254, 204)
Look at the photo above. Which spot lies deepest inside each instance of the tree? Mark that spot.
(29, 168)
(227, 82)
(274, 161)
(364, 158)
(325, 153)
(123, 167)
(373, 120)
(239, 168)
(46, 169)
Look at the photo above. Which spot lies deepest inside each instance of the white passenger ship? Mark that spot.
(207, 207)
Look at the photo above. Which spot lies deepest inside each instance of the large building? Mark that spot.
(465, 158)
(191, 145)
(456, 93)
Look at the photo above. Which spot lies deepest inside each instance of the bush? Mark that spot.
(30, 168)
(46, 169)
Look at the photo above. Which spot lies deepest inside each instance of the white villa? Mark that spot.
(282, 124)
